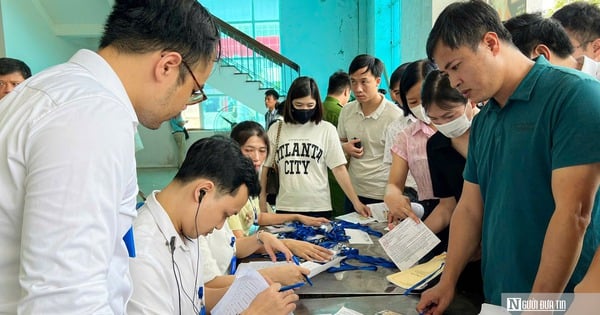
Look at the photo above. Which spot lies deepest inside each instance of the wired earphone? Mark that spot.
(177, 271)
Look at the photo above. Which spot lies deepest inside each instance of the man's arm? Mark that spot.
(574, 189)
(465, 239)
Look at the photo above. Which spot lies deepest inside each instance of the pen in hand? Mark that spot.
(297, 262)
(290, 287)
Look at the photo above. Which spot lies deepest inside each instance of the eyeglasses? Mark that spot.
(198, 95)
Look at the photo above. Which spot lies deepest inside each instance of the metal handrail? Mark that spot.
(258, 61)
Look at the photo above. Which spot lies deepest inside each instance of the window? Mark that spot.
(260, 20)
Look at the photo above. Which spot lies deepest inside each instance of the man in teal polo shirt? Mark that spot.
(533, 162)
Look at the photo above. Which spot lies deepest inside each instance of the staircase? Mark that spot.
(247, 68)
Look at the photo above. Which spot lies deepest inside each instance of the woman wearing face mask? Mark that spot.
(451, 114)
(307, 146)
(409, 150)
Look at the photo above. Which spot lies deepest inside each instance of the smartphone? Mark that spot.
(357, 145)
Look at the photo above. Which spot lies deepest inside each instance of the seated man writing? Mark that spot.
(213, 183)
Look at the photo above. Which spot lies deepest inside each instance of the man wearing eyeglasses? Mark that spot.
(12, 73)
(67, 163)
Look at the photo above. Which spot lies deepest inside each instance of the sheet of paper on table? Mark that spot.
(410, 277)
(346, 311)
(379, 211)
(408, 242)
(354, 217)
(258, 265)
(358, 236)
(241, 293)
(314, 267)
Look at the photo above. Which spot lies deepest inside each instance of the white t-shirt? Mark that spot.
(304, 154)
(69, 186)
(368, 174)
(161, 272)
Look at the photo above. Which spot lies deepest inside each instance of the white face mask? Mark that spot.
(419, 112)
(455, 128)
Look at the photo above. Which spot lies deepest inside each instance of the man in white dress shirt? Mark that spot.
(213, 183)
(67, 164)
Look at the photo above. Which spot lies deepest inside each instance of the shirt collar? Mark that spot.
(526, 86)
(164, 223)
(333, 99)
(99, 68)
(377, 112)
(424, 128)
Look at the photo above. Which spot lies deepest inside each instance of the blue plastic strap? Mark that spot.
(129, 242)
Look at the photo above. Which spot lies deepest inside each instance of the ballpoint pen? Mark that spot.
(297, 262)
(292, 286)
(424, 280)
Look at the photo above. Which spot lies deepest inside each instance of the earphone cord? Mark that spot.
(198, 253)
(176, 279)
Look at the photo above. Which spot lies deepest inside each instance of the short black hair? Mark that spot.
(338, 82)
(301, 87)
(246, 129)
(581, 18)
(531, 29)
(183, 26)
(437, 89)
(415, 72)
(11, 65)
(220, 160)
(273, 93)
(464, 24)
(397, 74)
(373, 64)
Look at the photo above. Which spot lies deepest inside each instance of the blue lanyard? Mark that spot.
(352, 253)
(233, 262)
(254, 228)
(201, 296)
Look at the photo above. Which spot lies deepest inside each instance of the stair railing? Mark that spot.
(261, 63)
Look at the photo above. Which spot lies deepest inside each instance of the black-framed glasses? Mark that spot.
(198, 95)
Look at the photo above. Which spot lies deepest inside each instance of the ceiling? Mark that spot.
(75, 18)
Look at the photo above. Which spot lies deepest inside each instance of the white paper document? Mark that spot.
(247, 285)
(346, 311)
(358, 236)
(317, 268)
(354, 217)
(379, 211)
(258, 265)
(408, 242)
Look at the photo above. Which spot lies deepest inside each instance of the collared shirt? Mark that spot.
(390, 135)
(368, 174)
(216, 250)
(551, 121)
(162, 273)
(332, 109)
(271, 116)
(411, 145)
(69, 186)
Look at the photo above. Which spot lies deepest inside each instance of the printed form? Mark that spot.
(408, 242)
